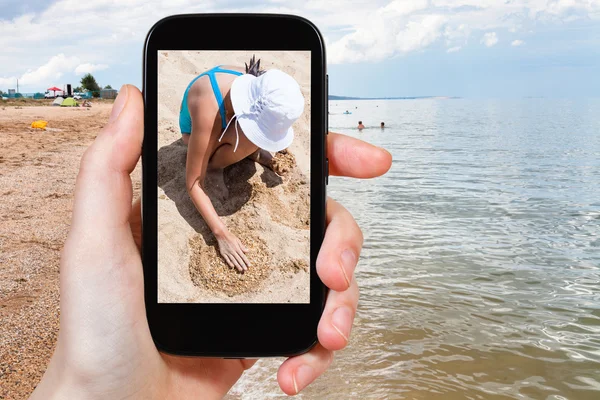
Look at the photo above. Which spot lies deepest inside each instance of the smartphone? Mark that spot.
(234, 174)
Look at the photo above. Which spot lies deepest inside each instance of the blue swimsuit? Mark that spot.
(185, 120)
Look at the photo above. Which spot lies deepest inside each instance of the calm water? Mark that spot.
(480, 276)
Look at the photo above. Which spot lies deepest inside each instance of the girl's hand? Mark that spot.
(233, 251)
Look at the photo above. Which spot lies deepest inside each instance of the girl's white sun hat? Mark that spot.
(266, 107)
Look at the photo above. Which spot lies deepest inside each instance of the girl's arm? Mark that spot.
(197, 163)
(230, 246)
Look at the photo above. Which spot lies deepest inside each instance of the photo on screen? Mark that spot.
(234, 176)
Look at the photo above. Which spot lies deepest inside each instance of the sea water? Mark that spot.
(480, 273)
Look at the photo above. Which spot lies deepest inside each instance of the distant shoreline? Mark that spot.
(333, 97)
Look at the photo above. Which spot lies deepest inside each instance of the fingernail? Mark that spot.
(340, 321)
(303, 376)
(347, 264)
(119, 104)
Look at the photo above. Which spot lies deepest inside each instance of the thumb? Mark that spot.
(101, 277)
(103, 191)
(100, 237)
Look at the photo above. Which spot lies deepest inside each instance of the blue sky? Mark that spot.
(467, 48)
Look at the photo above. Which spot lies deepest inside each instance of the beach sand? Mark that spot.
(37, 178)
(268, 213)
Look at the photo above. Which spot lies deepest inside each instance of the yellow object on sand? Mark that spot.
(39, 124)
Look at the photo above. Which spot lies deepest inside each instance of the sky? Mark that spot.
(375, 48)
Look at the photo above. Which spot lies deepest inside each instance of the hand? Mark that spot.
(104, 348)
(233, 250)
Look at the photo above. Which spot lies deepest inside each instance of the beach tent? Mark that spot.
(69, 102)
(58, 101)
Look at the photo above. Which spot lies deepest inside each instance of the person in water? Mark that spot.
(360, 125)
(229, 114)
(382, 125)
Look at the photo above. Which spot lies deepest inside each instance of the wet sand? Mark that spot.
(268, 212)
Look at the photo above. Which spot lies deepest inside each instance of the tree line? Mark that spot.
(88, 82)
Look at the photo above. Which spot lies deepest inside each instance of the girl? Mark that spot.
(228, 114)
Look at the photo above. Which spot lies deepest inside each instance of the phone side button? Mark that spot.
(327, 171)
(327, 104)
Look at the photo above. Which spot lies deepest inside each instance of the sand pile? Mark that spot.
(283, 162)
(208, 269)
(267, 211)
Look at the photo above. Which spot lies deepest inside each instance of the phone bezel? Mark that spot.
(226, 329)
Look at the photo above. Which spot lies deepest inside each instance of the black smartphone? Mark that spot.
(234, 174)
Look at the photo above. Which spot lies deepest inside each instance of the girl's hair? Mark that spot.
(253, 67)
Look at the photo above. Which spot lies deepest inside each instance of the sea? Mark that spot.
(480, 272)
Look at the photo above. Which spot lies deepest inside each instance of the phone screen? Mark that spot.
(233, 178)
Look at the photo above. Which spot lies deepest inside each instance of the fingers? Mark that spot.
(242, 251)
(298, 372)
(355, 158)
(341, 247)
(333, 332)
(228, 261)
(233, 263)
(336, 322)
(239, 261)
(233, 253)
(244, 259)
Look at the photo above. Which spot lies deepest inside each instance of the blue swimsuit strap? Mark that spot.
(217, 90)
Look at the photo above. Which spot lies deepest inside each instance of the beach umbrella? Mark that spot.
(54, 89)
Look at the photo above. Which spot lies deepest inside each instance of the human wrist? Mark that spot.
(221, 232)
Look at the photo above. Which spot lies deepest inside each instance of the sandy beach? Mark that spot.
(37, 178)
(270, 214)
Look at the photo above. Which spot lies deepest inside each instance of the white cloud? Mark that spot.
(456, 33)
(572, 7)
(453, 49)
(44, 74)
(372, 38)
(517, 42)
(51, 71)
(88, 68)
(398, 8)
(386, 37)
(111, 33)
(489, 39)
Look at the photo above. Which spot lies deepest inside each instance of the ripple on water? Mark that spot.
(480, 273)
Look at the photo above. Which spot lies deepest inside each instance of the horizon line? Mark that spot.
(337, 97)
